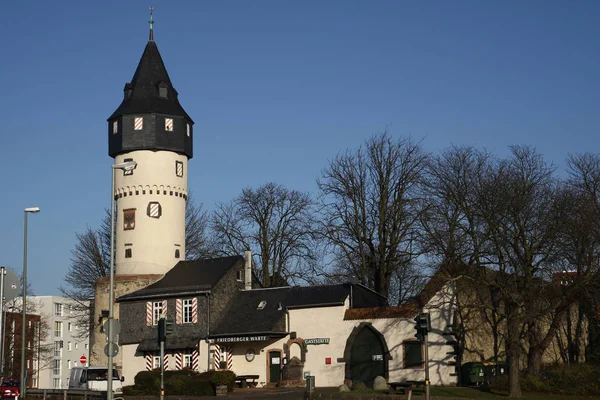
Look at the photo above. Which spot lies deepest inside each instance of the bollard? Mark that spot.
(309, 393)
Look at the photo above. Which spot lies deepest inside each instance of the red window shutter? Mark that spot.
(179, 311)
(195, 310)
(149, 313)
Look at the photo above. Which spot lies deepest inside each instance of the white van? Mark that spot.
(95, 379)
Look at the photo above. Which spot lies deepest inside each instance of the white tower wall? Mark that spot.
(153, 241)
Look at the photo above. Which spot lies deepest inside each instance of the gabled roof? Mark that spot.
(242, 315)
(144, 98)
(187, 277)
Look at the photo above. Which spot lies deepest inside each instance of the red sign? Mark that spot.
(83, 359)
(327, 360)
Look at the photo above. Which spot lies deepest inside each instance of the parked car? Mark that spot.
(10, 389)
(95, 379)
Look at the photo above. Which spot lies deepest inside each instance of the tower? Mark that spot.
(151, 128)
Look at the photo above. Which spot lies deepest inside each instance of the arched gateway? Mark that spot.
(366, 354)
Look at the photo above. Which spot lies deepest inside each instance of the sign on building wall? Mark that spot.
(316, 341)
(242, 339)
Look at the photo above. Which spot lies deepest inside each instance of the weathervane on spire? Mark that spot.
(151, 24)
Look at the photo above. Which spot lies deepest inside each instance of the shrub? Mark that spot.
(217, 378)
(147, 382)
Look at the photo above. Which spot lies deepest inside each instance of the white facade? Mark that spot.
(155, 192)
(63, 340)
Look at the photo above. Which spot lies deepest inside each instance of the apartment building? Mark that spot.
(66, 341)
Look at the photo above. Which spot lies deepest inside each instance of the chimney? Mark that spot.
(248, 271)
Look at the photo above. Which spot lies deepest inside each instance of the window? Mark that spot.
(129, 219)
(138, 123)
(56, 367)
(56, 383)
(57, 329)
(127, 253)
(68, 364)
(86, 346)
(115, 127)
(34, 382)
(57, 348)
(58, 309)
(169, 124)
(177, 253)
(179, 168)
(155, 362)
(162, 91)
(189, 129)
(69, 346)
(239, 276)
(128, 171)
(69, 327)
(187, 360)
(188, 311)
(76, 346)
(157, 310)
(261, 305)
(413, 354)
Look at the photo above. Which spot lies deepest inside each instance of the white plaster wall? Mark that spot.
(132, 364)
(154, 240)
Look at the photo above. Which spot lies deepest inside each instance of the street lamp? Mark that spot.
(124, 166)
(32, 210)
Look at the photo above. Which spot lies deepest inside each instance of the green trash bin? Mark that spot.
(473, 374)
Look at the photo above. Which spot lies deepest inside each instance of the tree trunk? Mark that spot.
(534, 360)
(513, 350)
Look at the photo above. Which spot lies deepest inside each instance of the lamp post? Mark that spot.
(124, 166)
(24, 318)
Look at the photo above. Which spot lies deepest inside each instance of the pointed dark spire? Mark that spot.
(151, 25)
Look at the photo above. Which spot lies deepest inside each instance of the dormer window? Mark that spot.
(115, 126)
(169, 124)
(261, 305)
(189, 129)
(138, 123)
(162, 90)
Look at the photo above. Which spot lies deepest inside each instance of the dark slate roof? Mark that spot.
(187, 277)
(173, 343)
(242, 316)
(144, 98)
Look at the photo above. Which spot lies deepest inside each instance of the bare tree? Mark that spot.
(90, 260)
(371, 204)
(277, 225)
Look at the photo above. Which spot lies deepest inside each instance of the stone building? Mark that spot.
(222, 317)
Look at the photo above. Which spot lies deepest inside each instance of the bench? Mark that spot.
(246, 380)
(407, 387)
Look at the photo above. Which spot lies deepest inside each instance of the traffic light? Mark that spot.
(165, 328)
(422, 326)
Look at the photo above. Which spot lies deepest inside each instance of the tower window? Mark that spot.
(169, 124)
(239, 276)
(125, 171)
(127, 253)
(138, 123)
(177, 253)
(154, 209)
(189, 129)
(162, 92)
(129, 219)
(179, 168)
(115, 127)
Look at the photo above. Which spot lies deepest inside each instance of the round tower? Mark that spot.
(151, 128)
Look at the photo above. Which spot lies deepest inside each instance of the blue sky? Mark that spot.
(277, 88)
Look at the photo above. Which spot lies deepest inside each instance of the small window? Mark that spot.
(189, 129)
(138, 123)
(69, 327)
(127, 171)
(239, 276)
(157, 311)
(129, 219)
(169, 124)
(179, 168)
(57, 329)
(162, 91)
(115, 126)
(58, 310)
(154, 209)
(261, 305)
(188, 310)
(177, 253)
(127, 253)
(413, 354)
